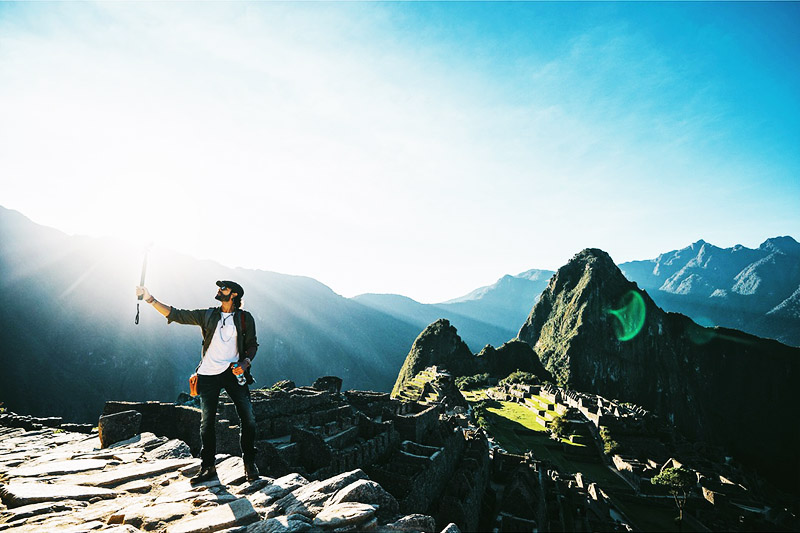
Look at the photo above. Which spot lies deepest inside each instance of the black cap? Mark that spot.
(233, 286)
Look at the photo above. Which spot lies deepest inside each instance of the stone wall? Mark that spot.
(29, 422)
(416, 426)
(164, 419)
(433, 473)
(462, 499)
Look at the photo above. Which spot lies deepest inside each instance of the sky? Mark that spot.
(417, 148)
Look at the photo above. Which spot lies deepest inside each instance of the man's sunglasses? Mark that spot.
(224, 288)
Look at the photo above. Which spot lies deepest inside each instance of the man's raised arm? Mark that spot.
(161, 308)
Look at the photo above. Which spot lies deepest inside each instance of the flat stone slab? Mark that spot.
(148, 517)
(310, 499)
(18, 494)
(58, 467)
(237, 513)
(138, 486)
(133, 472)
(280, 524)
(344, 514)
(143, 440)
(36, 509)
(231, 471)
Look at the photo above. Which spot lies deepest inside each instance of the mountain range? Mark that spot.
(754, 290)
(594, 330)
(69, 332)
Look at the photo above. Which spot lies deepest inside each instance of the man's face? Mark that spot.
(223, 294)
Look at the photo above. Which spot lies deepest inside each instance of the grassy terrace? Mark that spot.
(514, 427)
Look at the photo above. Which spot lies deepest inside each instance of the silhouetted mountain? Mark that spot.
(595, 330)
(69, 341)
(736, 287)
(477, 333)
(507, 301)
(487, 315)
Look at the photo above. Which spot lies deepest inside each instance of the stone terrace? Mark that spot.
(428, 460)
(53, 480)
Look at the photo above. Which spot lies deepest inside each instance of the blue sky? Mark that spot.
(416, 148)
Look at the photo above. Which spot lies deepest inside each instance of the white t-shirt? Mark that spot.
(223, 349)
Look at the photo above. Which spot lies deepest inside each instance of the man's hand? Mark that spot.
(143, 292)
(245, 363)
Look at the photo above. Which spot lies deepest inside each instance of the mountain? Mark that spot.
(487, 315)
(69, 341)
(439, 344)
(477, 333)
(755, 291)
(748, 289)
(595, 330)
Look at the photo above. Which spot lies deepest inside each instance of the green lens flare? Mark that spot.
(630, 316)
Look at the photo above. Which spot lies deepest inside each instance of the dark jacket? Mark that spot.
(208, 319)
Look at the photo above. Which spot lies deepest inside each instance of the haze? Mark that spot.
(416, 148)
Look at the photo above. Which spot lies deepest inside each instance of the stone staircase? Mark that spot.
(422, 388)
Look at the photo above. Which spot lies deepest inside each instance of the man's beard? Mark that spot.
(222, 298)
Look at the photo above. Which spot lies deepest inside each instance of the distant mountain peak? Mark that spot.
(785, 244)
(535, 274)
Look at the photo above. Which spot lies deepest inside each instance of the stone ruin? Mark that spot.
(338, 461)
(54, 480)
(426, 462)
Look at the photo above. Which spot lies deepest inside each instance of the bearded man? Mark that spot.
(229, 340)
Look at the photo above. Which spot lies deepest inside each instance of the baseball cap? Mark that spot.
(232, 285)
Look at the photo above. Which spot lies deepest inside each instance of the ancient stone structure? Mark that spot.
(53, 480)
(429, 459)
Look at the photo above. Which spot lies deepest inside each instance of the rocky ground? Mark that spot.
(56, 480)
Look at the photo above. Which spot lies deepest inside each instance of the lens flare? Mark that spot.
(630, 316)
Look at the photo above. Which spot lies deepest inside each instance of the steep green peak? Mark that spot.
(585, 268)
(438, 344)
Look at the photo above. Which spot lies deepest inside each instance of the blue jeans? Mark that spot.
(208, 388)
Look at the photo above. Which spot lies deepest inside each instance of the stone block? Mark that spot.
(173, 449)
(369, 492)
(118, 427)
(328, 383)
(344, 514)
(413, 522)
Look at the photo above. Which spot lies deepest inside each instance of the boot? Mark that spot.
(251, 471)
(206, 473)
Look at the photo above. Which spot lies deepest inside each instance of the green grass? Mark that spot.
(519, 414)
(514, 427)
(542, 399)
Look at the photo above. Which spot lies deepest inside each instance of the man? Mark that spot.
(229, 338)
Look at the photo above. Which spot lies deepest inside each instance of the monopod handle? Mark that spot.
(144, 269)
